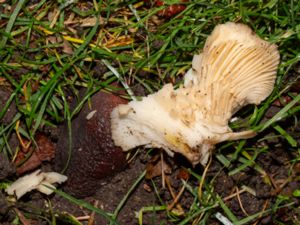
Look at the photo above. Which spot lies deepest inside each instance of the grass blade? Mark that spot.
(86, 205)
(121, 204)
(11, 22)
(278, 116)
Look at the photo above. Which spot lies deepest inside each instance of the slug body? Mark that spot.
(94, 156)
(236, 68)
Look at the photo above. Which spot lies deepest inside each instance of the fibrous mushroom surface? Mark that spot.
(236, 68)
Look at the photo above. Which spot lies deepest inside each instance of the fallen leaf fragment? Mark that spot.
(45, 151)
(183, 174)
(156, 166)
(36, 180)
(86, 22)
(171, 10)
(22, 218)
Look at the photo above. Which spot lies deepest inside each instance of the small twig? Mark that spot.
(177, 197)
(282, 185)
(55, 18)
(275, 186)
(162, 169)
(240, 202)
(92, 216)
(170, 187)
(262, 212)
(233, 195)
(203, 177)
(130, 157)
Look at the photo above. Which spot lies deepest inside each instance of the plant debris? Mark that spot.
(45, 151)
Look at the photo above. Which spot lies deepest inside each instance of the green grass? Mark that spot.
(123, 36)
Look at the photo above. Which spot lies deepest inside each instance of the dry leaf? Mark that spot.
(44, 152)
(183, 174)
(67, 48)
(155, 167)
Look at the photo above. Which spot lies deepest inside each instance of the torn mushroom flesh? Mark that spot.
(236, 68)
(41, 181)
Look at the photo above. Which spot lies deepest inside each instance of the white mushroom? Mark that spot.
(236, 68)
(36, 180)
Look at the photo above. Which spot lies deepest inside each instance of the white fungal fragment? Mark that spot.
(36, 180)
(236, 68)
(90, 115)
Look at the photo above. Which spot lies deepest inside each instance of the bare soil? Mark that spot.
(113, 189)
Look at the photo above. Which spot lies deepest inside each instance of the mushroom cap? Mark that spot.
(236, 68)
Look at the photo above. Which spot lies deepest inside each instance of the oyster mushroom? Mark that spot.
(236, 68)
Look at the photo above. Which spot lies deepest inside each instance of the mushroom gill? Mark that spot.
(236, 68)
